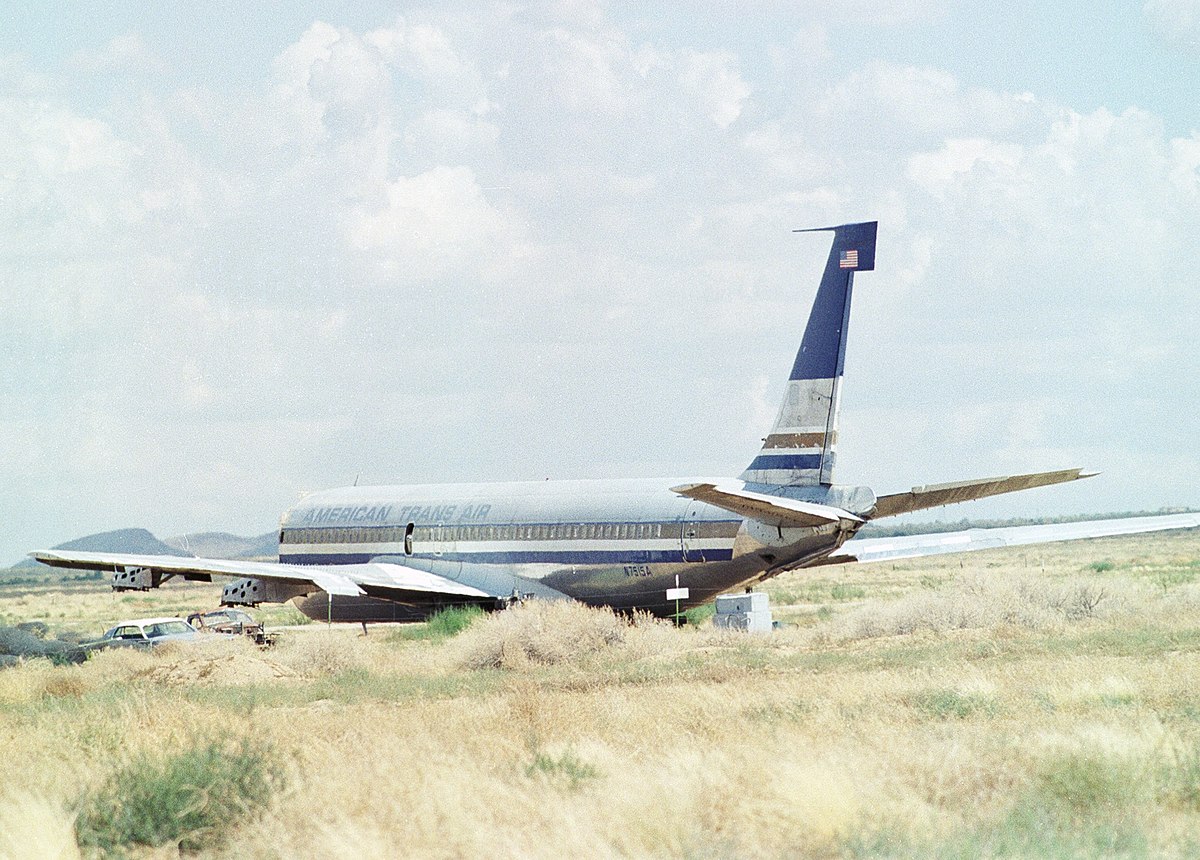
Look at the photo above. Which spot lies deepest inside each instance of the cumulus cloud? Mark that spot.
(936, 172)
(429, 224)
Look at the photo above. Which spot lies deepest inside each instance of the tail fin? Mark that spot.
(800, 448)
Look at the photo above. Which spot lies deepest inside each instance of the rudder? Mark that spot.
(800, 449)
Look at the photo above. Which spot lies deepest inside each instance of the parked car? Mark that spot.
(233, 622)
(145, 633)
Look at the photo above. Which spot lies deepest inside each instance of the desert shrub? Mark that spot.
(186, 798)
(40, 629)
(978, 603)
(539, 631)
(322, 652)
(27, 643)
(1102, 566)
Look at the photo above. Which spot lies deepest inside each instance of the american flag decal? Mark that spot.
(848, 259)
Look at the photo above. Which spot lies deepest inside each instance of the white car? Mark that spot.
(145, 633)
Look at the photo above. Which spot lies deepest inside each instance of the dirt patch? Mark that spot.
(225, 669)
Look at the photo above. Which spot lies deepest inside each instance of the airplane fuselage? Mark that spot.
(621, 543)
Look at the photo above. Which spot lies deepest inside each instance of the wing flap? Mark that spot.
(973, 540)
(936, 495)
(774, 510)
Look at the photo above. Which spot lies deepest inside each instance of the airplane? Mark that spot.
(395, 553)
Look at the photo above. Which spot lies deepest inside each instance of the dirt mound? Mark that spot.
(218, 670)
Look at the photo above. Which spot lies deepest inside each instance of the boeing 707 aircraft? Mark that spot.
(391, 552)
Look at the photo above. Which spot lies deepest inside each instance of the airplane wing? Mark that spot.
(376, 579)
(774, 510)
(970, 540)
(936, 495)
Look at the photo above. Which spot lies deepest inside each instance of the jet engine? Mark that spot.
(251, 592)
(135, 579)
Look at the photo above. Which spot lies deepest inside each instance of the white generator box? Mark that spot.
(750, 612)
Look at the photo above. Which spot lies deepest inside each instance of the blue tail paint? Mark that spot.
(800, 450)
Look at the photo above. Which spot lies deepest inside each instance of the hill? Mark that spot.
(225, 545)
(137, 541)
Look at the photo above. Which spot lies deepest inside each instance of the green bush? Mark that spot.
(697, 615)
(847, 592)
(567, 768)
(187, 798)
(1085, 783)
(953, 705)
(443, 624)
(450, 622)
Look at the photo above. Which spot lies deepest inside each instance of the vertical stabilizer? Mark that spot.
(800, 449)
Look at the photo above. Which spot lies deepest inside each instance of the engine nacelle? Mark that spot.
(251, 592)
(135, 579)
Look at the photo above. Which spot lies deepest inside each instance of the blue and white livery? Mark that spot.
(397, 552)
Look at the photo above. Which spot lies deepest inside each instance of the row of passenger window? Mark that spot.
(395, 534)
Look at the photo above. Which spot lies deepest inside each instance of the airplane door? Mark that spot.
(689, 537)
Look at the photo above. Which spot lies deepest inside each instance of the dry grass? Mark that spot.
(989, 707)
(545, 633)
(32, 826)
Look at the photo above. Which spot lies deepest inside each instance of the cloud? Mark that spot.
(936, 172)
(909, 106)
(127, 53)
(713, 80)
(429, 224)
(1177, 21)
(545, 243)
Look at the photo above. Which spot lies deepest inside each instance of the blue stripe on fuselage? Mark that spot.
(581, 557)
(785, 461)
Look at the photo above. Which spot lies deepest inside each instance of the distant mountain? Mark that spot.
(224, 545)
(138, 541)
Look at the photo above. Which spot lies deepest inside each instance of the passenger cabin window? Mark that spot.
(408, 538)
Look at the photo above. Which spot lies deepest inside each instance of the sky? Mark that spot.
(249, 251)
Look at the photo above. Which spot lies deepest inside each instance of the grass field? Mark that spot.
(1035, 703)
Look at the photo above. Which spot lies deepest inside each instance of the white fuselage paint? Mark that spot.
(614, 542)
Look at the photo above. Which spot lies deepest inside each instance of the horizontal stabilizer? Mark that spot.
(971, 540)
(773, 510)
(936, 495)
